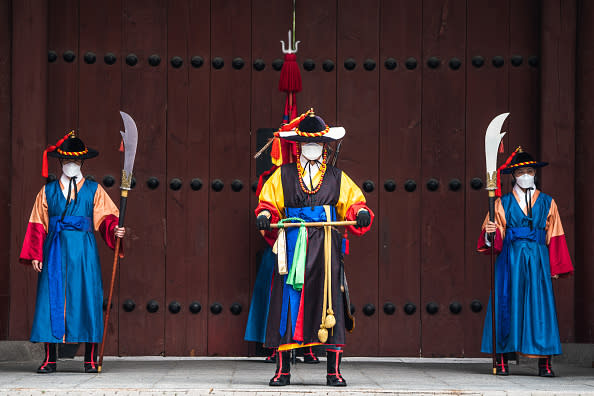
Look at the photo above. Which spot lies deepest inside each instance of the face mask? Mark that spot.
(312, 151)
(525, 181)
(71, 169)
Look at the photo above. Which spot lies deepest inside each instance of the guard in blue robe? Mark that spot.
(60, 244)
(532, 250)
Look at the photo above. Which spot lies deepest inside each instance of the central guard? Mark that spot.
(307, 301)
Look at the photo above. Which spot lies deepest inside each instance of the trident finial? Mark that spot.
(290, 50)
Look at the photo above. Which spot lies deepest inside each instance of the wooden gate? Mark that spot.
(415, 83)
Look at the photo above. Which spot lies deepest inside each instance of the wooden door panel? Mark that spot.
(29, 87)
(399, 210)
(443, 159)
(316, 29)
(486, 96)
(5, 136)
(230, 212)
(186, 283)
(100, 87)
(357, 108)
(144, 97)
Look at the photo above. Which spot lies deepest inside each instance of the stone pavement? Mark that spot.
(249, 376)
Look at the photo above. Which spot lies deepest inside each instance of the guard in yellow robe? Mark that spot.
(306, 304)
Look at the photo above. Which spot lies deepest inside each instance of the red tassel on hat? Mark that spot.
(290, 77)
(501, 148)
(276, 153)
(294, 122)
(44, 167)
(507, 162)
(121, 149)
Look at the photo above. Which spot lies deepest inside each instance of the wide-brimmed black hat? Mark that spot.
(69, 147)
(313, 129)
(522, 160)
(73, 148)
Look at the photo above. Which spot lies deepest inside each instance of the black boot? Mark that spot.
(333, 377)
(91, 349)
(282, 376)
(272, 357)
(502, 366)
(310, 357)
(544, 367)
(49, 363)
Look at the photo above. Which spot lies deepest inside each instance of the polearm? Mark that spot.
(492, 141)
(130, 138)
(315, 224)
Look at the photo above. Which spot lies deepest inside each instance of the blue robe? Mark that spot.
(80, 271)
(526, 318)
(256, 325)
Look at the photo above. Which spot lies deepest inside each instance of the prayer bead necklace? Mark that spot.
(300, 170)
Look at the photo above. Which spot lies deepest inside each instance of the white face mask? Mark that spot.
(71, 169)
(312, 151)
(525, 181)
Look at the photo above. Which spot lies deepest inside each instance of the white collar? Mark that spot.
(304, 162)
(521, 194)
(65, 180)
(315, 167)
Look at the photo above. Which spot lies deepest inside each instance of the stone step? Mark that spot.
(249, 376)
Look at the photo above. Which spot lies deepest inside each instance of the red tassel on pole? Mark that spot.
(290, 77)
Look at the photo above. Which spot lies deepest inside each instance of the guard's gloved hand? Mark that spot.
(263, 222)
(363, 219)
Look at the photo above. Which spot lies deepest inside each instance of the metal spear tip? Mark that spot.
(290, 50)
(130, 138)
(492, 141)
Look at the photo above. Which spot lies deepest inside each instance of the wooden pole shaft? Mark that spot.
(493, 327)
(315, 224)
(492, 199)
(108, 308)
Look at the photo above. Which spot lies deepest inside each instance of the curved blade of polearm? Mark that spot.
(130, 138)
(492, 140)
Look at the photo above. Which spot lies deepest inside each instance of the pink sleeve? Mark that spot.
(106, 230)
(559, 256)
(482, 247)
(33, 243)
(351, 215)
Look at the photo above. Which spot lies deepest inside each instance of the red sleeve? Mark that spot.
(481, 247)
(351, 215)
(559, 256)
(269, 236)
(106, 230)
(33, 244)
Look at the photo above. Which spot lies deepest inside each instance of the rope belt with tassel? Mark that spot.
(328, 319)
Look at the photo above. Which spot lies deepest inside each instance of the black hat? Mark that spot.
(69, 147)
(73, 148)
(313, 129)
(522, 160)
